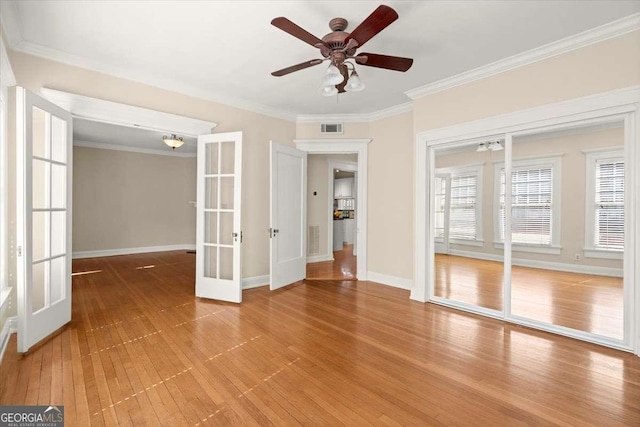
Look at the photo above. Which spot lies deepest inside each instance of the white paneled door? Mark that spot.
(218, 203)
(44, 183)
(288, 215)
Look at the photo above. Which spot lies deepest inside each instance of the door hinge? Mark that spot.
(240, 236)
(19, 251)
(273, 232)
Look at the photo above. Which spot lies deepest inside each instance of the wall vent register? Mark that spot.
(331, 128)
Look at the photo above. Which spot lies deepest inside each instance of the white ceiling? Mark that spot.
(226, 50)
(91, 133)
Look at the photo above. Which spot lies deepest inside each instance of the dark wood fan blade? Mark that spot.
(296, 67)
(289, 27)
(376, 22)
(396, 63)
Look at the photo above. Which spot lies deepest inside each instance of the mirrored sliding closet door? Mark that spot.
(568, 229)
(468, 267)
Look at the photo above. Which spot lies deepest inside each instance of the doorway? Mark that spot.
(359, 149)
(332, 217)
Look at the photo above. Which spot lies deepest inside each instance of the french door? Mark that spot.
(288, 248)
(218, 208)
(44, 184)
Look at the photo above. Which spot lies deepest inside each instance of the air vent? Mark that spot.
(331, 128)
(313, 240)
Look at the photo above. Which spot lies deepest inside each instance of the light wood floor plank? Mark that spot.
(314, 353)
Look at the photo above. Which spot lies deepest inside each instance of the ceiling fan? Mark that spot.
(338, 46)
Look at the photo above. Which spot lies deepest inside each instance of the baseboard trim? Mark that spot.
(255, 282)
(10, 326)
(319, 258)
(544, 265)
(130, 251)
(393, 281)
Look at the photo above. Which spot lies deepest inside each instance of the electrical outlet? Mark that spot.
(578, 257)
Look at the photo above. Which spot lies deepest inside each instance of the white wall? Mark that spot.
(132, 200)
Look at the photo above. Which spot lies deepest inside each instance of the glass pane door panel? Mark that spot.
(227, 157)
(226, 228)
(468, 265)
(40, 235)
(226, 263)
(226, 193)
(58, 139)
(39, 285)
(568, 228)
(58, 186)
(211, 158)
(211, 193)
(211, 227)
(40, 183)
(40, 129)
(58, 278)
(210, 261)
(58, 233)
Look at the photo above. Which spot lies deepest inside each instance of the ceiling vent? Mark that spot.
(331, 128)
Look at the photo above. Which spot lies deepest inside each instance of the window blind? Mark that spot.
(462, 208)
(531, 205)
(440, 199)
(609, 204)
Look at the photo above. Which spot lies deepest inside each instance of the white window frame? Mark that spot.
(592, 157)
(7, 79)
(451, 172)
(553, 161)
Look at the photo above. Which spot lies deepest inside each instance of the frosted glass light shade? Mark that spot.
(354, 84)
(173, 141)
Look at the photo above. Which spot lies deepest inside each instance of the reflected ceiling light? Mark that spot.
(482, 147)
(328, 90)
(495, 146)
(173, 141)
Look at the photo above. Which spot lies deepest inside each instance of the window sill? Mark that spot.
(536, 249)
(466, 242)
(603, 253)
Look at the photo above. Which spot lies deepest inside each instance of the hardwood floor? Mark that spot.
(580, 301)
(141, 350)
(343, 266)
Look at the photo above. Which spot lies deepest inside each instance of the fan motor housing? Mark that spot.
(335, 39)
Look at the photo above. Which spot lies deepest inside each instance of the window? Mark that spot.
(458, 205)
(462, 210)
(604, 235)
(7, 79)
(440, 207)
(535, 206)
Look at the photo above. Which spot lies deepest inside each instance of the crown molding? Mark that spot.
(596, 35)
(355, 118)
(116, 147)
(146, 78)
(104, 111)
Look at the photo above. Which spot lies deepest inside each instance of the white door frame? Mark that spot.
(347, 146)
(347, 166)
(597, 108)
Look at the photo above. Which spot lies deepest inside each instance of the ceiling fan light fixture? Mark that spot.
(173, 141)
(354, 84)
(333, 76)
(328, 90)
